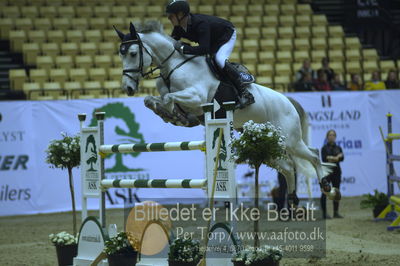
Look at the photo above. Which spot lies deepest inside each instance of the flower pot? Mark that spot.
(378, 209)
(180, 263)
(124, 259)
(66, 254)
(266, 262)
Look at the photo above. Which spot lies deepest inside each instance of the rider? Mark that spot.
(214, 36)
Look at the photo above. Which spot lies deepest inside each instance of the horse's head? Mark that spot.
(135, 59)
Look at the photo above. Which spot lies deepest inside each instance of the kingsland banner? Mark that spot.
(28, 185)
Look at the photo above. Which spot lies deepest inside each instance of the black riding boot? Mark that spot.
(241, 80)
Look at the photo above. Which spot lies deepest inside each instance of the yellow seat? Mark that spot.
(115, 74)
(139, 11)
(111, 36)
(92, 85)
(84, 61)
(304, 9)
(285, 44)
(85, 12)
(50, 49)
(10, 12)
(102, 11)
(335, 43)
(288, 9)
(58, 75)
(252, 33)
(97, 74)
(93, 36)
(337, 55)
(281, 83)
(30, 52)
(30, 87)
(48, 11)
(285, 32)
(302, 32)
(117, 12)
(319, 20)
(62, 24)
(7, 24)
(250, 45)
(353, 66)
(267, 57)
(352, 43)
(37, 36)
(79, 23)
(370, 54)
(239, 10)
(283, 69)
(39, 76)
(353, 55)
(206, 9)
(254, 21)
(370, 66)
(238, 21)
(24, 24)
(88, 48)
(45, 62)
(64, 61)
(267, 44)
(255, 10)
(271, 9)
(303, 20)
(103, 61)
(387, 65)
(317, 55)
(71, 86)
(335, 31)
(17, 38)
(74, 36)
(155, 11)
(284, 56)
(300, 56)
(66, 11)
(56, 36)
(319, 43)
(98, 24)
(286, 20)
(249, 57)
(269, 32)
(265, 81)
(17, 78)
(222, 10)
(337, 66)
(69, 48)
(78, 75)
(117, 62)
(52, 86)
(265, 70)
(319, 32)
(302, 44)
(108, 48)
(270, 21)
(118, 22)
(112, 85)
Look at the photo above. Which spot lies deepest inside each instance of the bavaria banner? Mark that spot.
(29, 185)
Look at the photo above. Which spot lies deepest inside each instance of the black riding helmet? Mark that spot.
(176, 6)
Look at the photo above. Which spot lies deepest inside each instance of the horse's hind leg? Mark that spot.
(287, 169)
(302, 151)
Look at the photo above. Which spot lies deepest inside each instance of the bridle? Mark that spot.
(124, 48)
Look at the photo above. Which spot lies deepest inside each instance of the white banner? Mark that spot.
(29, 185)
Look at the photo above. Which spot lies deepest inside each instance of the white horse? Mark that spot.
(191, 84)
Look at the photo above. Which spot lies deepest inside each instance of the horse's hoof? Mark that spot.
(325, 186)
(338, 195)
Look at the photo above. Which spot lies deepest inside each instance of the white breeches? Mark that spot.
(225, 51)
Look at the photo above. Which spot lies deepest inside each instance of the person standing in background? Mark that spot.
(332, 153)
(375, 83)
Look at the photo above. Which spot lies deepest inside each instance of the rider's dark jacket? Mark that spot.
(208, 31)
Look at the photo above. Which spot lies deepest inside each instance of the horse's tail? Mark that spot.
(303, 119)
